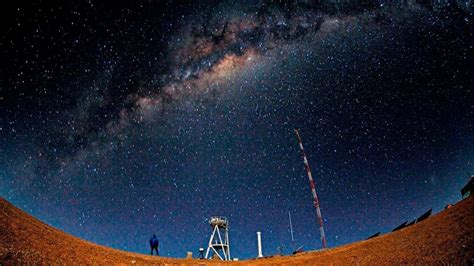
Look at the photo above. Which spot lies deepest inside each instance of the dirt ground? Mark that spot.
(445, 238)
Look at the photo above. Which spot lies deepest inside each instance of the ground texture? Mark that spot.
(445, 238)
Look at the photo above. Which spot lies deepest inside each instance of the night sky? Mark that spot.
(126, 119)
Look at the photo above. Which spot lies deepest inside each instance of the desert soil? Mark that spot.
(445, 238)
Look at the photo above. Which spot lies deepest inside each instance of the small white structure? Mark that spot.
(219, 241)
(259, 242)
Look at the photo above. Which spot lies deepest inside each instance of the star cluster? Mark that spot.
(123, 120)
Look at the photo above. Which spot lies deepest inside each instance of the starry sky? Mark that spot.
(124, 119)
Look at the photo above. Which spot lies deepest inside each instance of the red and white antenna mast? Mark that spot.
(313, 189)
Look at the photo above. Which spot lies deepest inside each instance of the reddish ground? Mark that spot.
(445, 238)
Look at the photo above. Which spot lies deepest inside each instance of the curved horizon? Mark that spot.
(121, 120)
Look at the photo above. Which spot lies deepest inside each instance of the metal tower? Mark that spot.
(219, 241)
(313, 189)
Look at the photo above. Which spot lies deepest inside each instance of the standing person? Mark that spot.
(154, 245)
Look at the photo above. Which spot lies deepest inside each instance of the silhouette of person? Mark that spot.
(154, 245)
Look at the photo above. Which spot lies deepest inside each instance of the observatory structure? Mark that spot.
(219, 242)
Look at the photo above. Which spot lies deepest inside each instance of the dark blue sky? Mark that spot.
(125, 120)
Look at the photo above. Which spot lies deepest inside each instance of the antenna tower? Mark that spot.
(313, 189)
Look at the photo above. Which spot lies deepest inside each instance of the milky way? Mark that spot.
(121, 121)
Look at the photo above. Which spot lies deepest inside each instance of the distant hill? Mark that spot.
(445, 238)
